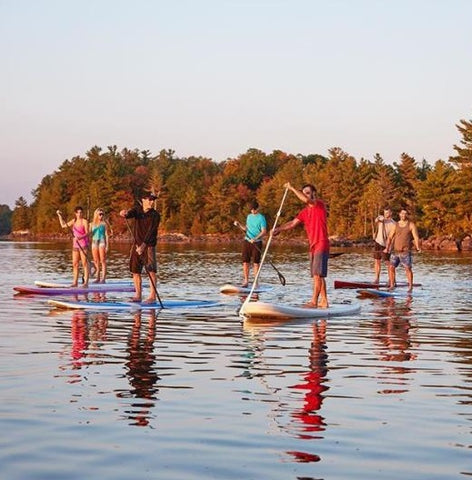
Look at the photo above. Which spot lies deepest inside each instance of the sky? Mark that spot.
(214, 78)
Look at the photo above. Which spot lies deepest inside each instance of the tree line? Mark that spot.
(198, 196)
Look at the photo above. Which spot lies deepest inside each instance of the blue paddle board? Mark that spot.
(374, 293)
(167, 304)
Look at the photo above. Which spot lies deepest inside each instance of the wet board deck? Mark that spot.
(167, 304)
(365, 284)
(265, 311)
(97, 286)
(230, 288)
(104, 287)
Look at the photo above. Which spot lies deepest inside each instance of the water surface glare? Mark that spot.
(198, 394)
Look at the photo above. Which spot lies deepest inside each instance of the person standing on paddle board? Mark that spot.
(385, 224)
(314, 218)
(400, 240)
(256, 228)
(143, 250)
(100, 242)
(80, 229)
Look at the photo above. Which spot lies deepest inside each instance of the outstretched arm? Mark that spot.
(286, 226)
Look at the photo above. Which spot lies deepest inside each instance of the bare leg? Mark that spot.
(96, 261)
(409, 278)
(85, 266)
(377, 268)
(153, 295)
(75, 267)
(137, 287)
(245, 274)
(319, 290)
(103, 263)
(391, 277)
(256, 269)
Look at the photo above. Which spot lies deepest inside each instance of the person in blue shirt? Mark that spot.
(255, 229)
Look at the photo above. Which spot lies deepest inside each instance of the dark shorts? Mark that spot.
(146, 260)
(252, 252)
(379, 253)
(319, 264)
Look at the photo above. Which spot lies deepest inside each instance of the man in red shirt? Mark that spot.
(313, 216)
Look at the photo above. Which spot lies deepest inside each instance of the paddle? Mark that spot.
(335, 254)
(281, 277)
(90, 264)
(145, 266)
(279, 211)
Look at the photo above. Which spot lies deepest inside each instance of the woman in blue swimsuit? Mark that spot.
(100, 242)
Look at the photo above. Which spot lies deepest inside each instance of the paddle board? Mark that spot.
(167, 304)
(92, 288)
(230, 288)
(360, 284)
(374, 293)
(265, 311)
(98, 286)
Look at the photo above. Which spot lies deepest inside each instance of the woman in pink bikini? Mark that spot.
(80, 232)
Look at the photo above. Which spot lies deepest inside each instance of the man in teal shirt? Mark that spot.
(256, 228)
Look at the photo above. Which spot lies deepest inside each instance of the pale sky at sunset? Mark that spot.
(214, 78)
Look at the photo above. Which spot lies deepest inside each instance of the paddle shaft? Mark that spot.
(279, 211)
(281, 277)
(145, 266)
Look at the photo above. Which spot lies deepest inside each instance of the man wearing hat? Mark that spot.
(143, 250)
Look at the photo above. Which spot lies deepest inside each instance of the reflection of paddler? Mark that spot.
(313, 381)
(141, 367)
(79, 335)
(393, 331)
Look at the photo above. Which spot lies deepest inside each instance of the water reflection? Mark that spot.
(392, 339)
(268, 361)
(310, 422)
(88, 333)
(141, 369)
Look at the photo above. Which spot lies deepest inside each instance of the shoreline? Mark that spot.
(443, 243)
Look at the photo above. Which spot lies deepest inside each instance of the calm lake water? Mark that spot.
(194, 395)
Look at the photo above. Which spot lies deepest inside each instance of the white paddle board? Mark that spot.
(265, 311)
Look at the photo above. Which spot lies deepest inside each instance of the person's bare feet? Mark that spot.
(310, 305)
(150, 300)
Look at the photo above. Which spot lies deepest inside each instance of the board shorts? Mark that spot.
(252, 252)
(403, 258)
(379, 253)
(319, 264)
(99, 243)
(146, 260)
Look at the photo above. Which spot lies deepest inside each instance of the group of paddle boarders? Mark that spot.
(393, 243)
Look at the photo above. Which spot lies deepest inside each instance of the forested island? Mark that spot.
(200, 198)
